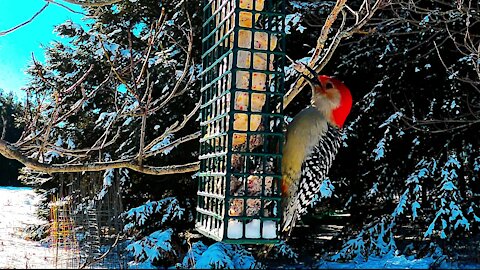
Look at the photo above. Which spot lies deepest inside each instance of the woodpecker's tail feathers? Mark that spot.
(290, 216)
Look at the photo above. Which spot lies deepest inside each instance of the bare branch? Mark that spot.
(11, 152)
(325, 30)
(173, 128)
(3, 33)
(66, 7)
(93, 3)
(341, 34)
(4, 126)
(187, 138)
(101, 257)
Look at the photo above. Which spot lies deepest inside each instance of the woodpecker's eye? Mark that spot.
(329, 85)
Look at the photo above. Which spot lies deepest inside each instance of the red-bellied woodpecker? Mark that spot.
(312, 141)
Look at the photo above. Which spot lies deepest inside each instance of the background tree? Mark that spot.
(10, 130)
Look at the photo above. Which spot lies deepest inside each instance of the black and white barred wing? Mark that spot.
(314, 171)
(316, 167)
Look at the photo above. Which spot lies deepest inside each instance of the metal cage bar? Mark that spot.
(84, 225)
(241, 120)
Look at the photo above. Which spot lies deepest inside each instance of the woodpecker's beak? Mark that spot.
(313, 82)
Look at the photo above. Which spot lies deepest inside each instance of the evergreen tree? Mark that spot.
(10, 130)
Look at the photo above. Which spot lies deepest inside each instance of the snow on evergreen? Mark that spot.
(168, 208)
(108, 177)
(219, 256)
(152, 247)
(449, 214)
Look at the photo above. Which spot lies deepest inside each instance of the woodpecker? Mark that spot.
(312, 141)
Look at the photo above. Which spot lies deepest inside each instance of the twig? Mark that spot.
(101, 257)
(66, 7)
(93, 3)
(4, 128)
(3, 33)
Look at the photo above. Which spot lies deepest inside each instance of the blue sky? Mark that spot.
(16, 48)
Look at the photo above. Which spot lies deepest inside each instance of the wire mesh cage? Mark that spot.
(85, 222)
(241, 120)
(97, 221)
(62, 233)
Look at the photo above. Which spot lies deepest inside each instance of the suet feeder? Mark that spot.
(243, 56)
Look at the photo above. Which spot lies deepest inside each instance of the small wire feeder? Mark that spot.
(239, 195)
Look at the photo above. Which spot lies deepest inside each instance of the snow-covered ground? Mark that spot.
(18, 207)
(398, 262)
(18, 211)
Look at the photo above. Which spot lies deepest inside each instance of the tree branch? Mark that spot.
(3, 33)
(341, 34)
(92, 3)
(11, 152)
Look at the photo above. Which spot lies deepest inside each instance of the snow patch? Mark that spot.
(19, 211)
